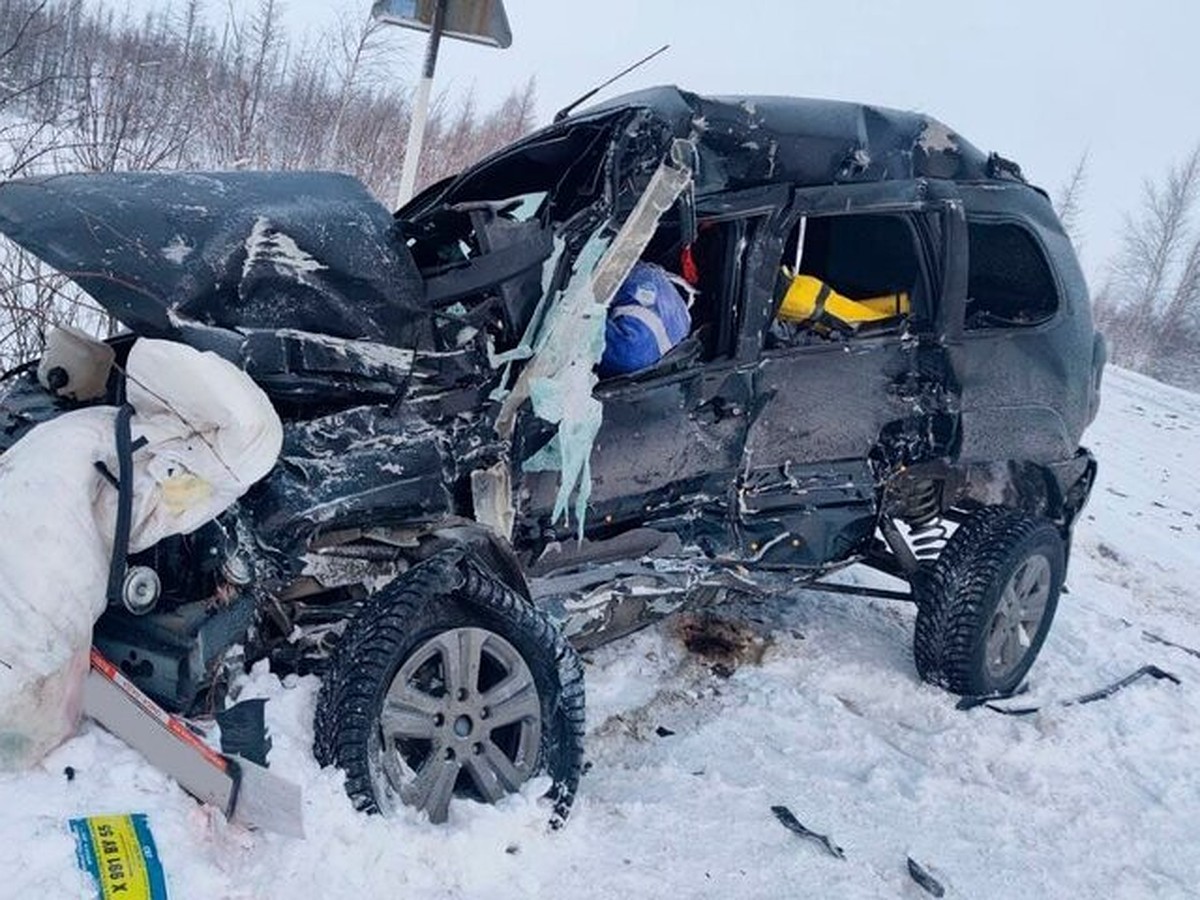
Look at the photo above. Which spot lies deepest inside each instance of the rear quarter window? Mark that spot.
(1009, 280)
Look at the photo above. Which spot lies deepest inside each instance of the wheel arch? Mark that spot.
(447, 590)
(1055, 492)
(489, 548)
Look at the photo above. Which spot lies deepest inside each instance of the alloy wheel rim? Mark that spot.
(1018, 617)
(461, 717)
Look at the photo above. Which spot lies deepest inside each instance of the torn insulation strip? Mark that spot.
(559, 380)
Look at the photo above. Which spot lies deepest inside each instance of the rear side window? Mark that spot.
(1009, 282)
(843, 276)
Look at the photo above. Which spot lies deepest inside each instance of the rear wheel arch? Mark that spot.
(1029, 487)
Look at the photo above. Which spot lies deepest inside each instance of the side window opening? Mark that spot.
(707, 268)
(1009, 282)
(846, 275)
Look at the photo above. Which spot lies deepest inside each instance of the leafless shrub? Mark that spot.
(1069, 202)
(1150, 303)
(81, 88)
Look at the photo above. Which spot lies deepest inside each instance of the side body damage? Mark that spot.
(435, 371)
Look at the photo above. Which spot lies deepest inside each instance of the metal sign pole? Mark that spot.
(420, 112)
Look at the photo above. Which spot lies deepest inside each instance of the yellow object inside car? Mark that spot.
(809, 299)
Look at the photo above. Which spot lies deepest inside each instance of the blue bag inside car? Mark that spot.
(647, 317)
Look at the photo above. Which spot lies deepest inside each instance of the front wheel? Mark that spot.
(986, 605)
(451, 685)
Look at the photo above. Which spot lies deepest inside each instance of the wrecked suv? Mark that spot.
(461, 498)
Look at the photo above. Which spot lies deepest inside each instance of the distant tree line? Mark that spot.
(1148, 303)
(84, 89)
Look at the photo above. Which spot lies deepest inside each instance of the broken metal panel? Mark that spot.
(312, 251)
(559, 379)
(567, 159)
(604, 602)
(600, 590)
(805, 514)
(308, 371)
(360, 467)
(491, 498)
(314, 368)
(688, 430)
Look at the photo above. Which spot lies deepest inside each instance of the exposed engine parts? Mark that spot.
(141, 590)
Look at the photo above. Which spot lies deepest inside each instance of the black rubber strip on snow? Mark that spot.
(1102, 694)
(1153, 671)
(922, 877)
(791, 823)
(972, 702)
(1158, 639)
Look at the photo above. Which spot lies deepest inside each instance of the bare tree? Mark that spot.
(126, 115)
(1069, 202)
(252, 58)
(354, 46)
(1150, 305)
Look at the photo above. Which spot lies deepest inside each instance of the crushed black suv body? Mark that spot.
(435, 373)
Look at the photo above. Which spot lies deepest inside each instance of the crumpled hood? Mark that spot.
(313, 251)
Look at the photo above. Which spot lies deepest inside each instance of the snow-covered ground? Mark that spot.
(1101, 800)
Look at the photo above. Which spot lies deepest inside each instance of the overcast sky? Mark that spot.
(1041, 82)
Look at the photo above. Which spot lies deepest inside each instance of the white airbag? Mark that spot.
(211, 434)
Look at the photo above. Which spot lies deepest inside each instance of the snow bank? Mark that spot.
(1093, 801)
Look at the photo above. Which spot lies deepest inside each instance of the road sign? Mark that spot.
(478, 21)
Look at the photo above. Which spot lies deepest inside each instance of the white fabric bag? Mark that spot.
(211, 434)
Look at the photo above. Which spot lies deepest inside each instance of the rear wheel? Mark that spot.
(986, 605)
(451, 685)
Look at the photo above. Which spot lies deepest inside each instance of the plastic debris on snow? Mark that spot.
(789, 821)
(1101, 694)
(922, 877)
